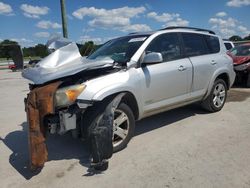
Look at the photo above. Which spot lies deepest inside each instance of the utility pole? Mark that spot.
(64, 19)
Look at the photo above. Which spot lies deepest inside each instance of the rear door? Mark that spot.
(201, 50)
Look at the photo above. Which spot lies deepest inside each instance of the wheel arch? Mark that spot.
(222, 75)
(128, 99)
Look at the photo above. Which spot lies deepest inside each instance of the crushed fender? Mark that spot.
(39, 103)
(101, 135)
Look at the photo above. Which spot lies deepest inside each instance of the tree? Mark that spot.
(28, 52)
(41, 50)
(247, 37)
(38, 50)
(87, 48)
(235, 38)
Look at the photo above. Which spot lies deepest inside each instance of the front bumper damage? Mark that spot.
(39, 106)
(65, 64)
(39, 103)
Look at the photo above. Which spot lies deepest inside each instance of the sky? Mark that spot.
(30, 22)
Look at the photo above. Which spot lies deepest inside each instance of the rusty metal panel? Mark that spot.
(39, 103)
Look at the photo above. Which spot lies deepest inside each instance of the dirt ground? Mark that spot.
(185, 147)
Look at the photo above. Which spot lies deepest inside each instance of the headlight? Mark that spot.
(67, 95)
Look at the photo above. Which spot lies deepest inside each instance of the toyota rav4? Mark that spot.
(99, 97)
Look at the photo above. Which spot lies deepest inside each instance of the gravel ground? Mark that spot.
(185, 147)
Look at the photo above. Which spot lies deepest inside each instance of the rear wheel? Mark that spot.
(217, 97)
(248, 80)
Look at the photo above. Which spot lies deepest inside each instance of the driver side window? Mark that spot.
(166, 44)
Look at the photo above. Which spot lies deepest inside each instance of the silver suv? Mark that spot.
(130, 78)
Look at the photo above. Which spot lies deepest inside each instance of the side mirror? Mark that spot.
(153, 57)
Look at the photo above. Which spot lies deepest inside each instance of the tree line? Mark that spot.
(41, 50)
(236, 38)
(38, 50)
(85, 49)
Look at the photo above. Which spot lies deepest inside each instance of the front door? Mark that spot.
(168, 82)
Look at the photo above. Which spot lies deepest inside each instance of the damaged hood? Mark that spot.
(64, 61)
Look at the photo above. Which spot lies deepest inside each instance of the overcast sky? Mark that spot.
(30, 22)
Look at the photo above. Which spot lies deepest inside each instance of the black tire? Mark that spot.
(248, 80)
(208, 104)
(93, 114)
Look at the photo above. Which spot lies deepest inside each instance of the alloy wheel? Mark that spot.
(120, 127)
(219, 95)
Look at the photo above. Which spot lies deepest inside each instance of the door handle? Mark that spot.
(213, 62)
(182, 68)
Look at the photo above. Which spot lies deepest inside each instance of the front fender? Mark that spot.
(123, 81)
(96, 87)
(113, 89)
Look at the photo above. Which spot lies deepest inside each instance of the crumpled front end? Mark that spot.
(38, 104)
(64, 61)
(53, 105)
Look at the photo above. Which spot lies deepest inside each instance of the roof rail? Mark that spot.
(132, 33)
(191, 28)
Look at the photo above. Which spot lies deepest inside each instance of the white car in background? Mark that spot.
(228, 44)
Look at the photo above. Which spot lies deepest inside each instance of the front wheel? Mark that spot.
(123, 127)
(123, 124)
(217, 97)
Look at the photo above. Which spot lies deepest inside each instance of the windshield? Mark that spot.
(241, 50)
(120, 49)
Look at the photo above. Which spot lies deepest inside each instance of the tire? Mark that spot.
(248, 80)
(217, 97)
(128, 125)
(92, 115)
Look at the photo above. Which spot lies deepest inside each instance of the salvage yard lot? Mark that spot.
(185, 147)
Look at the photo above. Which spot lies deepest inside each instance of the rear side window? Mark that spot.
(213, 44)
(194, 44)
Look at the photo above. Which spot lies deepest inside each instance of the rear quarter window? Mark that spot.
(212, 43)
(194, 44)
